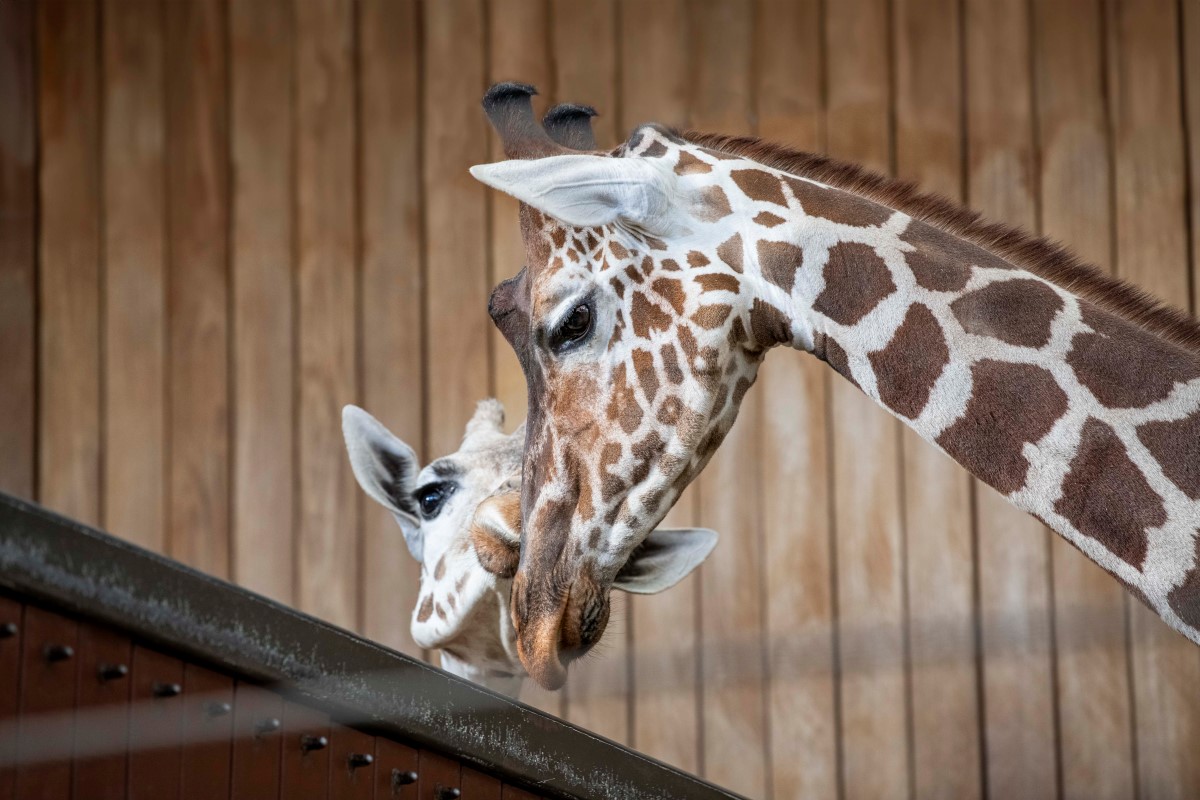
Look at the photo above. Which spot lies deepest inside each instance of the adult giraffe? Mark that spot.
(661, 273)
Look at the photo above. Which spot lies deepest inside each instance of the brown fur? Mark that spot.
(1033, 253)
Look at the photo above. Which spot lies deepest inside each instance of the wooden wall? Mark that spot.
(223, 219)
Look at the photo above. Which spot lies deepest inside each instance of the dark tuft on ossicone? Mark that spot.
(501, 93)
(570, 124)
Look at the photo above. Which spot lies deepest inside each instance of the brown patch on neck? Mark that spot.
(1035, 254)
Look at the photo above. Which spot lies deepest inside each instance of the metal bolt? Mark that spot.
(59, 652)
(402, 778)
(167, 689)
(268, 725)
(447, 793)
(309, 743)
(215, 709)
(361, 760)
(8, 630)
(111, 672)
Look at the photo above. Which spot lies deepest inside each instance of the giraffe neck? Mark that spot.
(1074, 414)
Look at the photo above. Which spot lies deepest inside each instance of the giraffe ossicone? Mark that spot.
(461, 512)
(660, 273)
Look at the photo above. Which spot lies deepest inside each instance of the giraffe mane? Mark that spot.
(1037, 254)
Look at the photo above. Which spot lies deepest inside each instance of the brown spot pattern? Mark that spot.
(768, 220)
(671, 363)
(697, 259)
(643, 365)
(906, 370)
(1176, 447)
(1106, 497)
(655, 150)
(646, 317)
(731, 252)
(768, 325)
(712, 316)
(623, 405)
(670, 410)
(1184, 599)
(1010, 404)
(1125, 366)
(1018, 312)
(856, 280)
(759, 185)
(838, 206)
(426, 609)
(618, 250)
(780, 261)
(688, 164)
(714, 204)
(828, 350)
(718, 281)
(671, 290)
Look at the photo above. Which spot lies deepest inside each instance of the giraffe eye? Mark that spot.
(431, 498)
(573, 329)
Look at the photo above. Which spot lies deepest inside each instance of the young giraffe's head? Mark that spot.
(459, 515)
(639, 329)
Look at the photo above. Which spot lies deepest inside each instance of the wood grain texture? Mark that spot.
(866, 490)
(206, 762)
(519, 50)
(1093, 689)
(392, 758)
(584, 40)
(794, 474)
(68, 419)
(349, 780)
(1013, 548)
(940, 580)
(734, 689)
(327, 554)
(102, 777)
(305, 773)
(262, 282)
(1151, 250)
(156, 728)
(456, 345)
(390, 332)
(653, 42)
(18, 248)
(198, 284)
(257, 754)
(134, 282)
(46, 687)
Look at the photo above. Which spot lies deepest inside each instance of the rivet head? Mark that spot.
(403, 778)
(167, 690)
(447, 793)
(215, 709)
(112, 672)
(268, 725)
(59, 652)
(8, 630)
(361, 760)
(309, 743)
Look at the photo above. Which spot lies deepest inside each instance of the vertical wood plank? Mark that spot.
(1093, 691)
(197, 231)
(477, 785)
(257, 743)
(305, 772)
(134, 296)
(261, 158)
(1014, 579)
(393, 376)
(393, 760)
(653, 45)
(328, 548)
(1190, 42)
(437, 773)
(102, 776)
(68, 421)
(794, 454)
(18, 248)
(48, 687)
(455, 216)
(940, 580)
(155, 726)
(519, 50)
(206, 765)
(1151, 251)
(869, 538)
(10, 687)
(584, 37)
(735, 737)
(350, 779)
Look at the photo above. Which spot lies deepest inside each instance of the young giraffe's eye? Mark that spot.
(573, 329)
(431, 498)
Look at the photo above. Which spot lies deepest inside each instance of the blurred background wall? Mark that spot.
(224, 219)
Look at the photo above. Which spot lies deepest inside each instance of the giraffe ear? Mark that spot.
(496, 531)
(386, 469)
(665, 558)
(583, 190)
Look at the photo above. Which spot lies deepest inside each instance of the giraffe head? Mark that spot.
(639, 326)
(457, 518)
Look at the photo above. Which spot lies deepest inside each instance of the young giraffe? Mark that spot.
(659, 275)
(449, 515)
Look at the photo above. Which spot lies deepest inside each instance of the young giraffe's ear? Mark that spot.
(386, 469)
(496, 533)
(583, 190)
(665, 558)
(488, 418)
